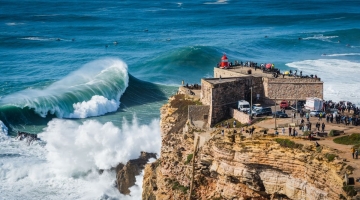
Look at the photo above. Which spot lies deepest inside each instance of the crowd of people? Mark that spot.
(255, 66)
(272, 69)
(343, 112)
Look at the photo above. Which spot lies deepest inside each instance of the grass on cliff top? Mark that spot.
(288, 143)
(353, 139)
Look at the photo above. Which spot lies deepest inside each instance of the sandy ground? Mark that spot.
(344, 150)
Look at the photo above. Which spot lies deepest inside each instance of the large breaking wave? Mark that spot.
(92, 90)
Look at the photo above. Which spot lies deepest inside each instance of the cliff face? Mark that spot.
(236, 167)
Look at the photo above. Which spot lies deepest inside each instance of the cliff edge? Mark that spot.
(237, 166)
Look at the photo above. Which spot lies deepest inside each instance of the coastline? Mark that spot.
(240, 166)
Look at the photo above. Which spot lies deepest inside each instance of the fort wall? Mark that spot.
(221, 94)
(198, 115)
(269, 88)
(250, 80)
(205, 95)
(231, 85)
(293, 89)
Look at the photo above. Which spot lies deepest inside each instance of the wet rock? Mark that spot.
(125, 174)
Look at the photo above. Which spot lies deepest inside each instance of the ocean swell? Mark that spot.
(186, 63)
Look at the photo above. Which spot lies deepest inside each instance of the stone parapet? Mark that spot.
(240, 116)
(294, 80)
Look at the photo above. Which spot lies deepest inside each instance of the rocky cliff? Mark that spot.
(125, 174)
(238, 167)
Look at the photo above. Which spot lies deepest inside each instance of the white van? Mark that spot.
(243, 106)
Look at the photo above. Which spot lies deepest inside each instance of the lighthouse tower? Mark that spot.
(224, 62)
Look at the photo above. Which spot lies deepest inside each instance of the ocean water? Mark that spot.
(89, 77)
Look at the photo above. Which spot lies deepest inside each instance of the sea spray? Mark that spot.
(3, 129)
(66, 165)
(3, 132)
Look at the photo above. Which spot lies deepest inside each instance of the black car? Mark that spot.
(280, 114)
(262, 111)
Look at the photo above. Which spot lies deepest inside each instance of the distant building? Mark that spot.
(228, 86)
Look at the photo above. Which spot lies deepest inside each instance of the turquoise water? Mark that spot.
(73, 67)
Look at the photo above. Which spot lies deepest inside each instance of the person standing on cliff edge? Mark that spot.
(289, 130)
(353, 152)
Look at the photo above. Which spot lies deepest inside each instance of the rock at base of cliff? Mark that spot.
(125, 174)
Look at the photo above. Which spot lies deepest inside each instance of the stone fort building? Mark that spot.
(221, 93)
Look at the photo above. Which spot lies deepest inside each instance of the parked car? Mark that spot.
(243, 106)
(280, 114)
(315, 113)
(262, 111)
(256, 106)
(299, 105)
(284, 104)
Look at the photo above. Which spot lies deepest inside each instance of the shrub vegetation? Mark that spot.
(330, 157)
(288, 143)
(188, 159)
(176, 186)
(353, 139)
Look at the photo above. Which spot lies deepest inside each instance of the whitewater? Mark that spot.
(89, 77)
(65, 163)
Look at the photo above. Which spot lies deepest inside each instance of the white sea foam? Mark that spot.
(321, 37)
(217, 2)
(98, 105)
(44, 39)
(66, 165)
(13, 23)
(342, 54)
(3, 135)
(340, 77)
(38, 38)
(3, 129)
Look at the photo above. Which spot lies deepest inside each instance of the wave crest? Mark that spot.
(98, 105)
